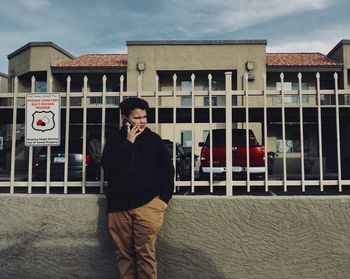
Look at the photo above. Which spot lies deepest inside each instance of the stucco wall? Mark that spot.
(3, 84)
(187, 57)
(60, 236)
(37, 58)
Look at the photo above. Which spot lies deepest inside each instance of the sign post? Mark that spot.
(43, 119)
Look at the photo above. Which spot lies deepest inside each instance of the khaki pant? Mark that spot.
(134, 233)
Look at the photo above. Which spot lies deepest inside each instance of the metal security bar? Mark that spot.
(271, 114)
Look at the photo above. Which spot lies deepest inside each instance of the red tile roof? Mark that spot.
(311, 59)
(96, 61)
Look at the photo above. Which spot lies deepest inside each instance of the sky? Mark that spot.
(103, 26)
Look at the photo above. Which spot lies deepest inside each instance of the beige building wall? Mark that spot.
(44, 58)
(19, 64)
(3, 84)
(34, 59)
(346, 61)
(341, 53)
(191, 57)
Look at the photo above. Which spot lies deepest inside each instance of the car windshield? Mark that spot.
(238, 137)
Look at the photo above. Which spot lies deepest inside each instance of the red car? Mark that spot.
(239, 161)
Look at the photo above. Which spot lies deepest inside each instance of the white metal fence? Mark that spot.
(246, 100)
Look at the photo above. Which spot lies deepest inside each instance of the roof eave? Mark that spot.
(338, 45)
(39, 44)
(87, 70)
(196, 42)
(300, 68)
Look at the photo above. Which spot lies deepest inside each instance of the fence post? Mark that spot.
(337, 119)
(103, 127)
(320, 151)
(13, 145)
(30, 155)
(84, 133)
(157, 103)
(247, 130)
(283, 134)
(301, 122)
(228, 109)
(174, 130)
(48, 153)
(193, 131)
(139, 85)
(265, 134)
(211, 186)
(121, 91)
(66, 144)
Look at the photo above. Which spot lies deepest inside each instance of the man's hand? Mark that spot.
(133, 133)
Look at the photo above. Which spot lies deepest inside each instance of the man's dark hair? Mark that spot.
(132, 103)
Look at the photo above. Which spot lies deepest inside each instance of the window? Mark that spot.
(214, 101)
(214, 86)
(40, 86)
(287, 86)
(186, 85)
(186, 101)
(205, 135)
(112, 100)
(292, 144)
(110, 87)
(96, 87)
(186, 138)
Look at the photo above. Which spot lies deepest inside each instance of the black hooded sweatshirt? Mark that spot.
(136, 172)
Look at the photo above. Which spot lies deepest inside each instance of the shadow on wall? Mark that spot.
(184, 262)
(106, 246)
(55, 239)
(173, 262)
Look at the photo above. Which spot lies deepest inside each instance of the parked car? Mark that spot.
(239, 162)
(183, 160)
(75, 163)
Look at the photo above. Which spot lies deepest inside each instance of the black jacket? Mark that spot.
(137, 172)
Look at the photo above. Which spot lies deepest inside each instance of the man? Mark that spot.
(140, 184)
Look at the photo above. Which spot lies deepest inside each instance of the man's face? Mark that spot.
(139, 116)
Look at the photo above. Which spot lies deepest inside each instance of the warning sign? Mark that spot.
(42, 119)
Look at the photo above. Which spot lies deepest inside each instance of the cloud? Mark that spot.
(35, 4)
(260, 11)
(104, 26)
(301, 46)
(120, 50)
(322, 40)
(205, 18)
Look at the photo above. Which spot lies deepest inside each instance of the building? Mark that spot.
(3, 82)
(192, 62)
